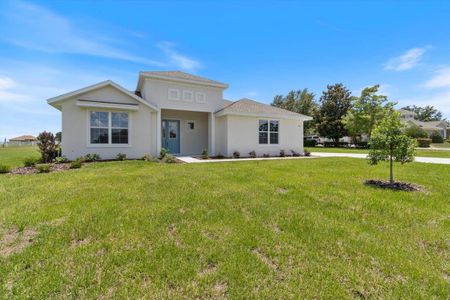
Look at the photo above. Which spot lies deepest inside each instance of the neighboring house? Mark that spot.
(181, 112)
(23, 140)
(441, 127)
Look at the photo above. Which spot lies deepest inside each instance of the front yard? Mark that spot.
(420, 152)
(302, 228)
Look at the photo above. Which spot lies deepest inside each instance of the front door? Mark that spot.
(170, 135)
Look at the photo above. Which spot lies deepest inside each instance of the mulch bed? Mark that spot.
(33, 170)
(397, 186)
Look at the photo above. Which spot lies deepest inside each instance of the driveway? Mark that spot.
(430, 160)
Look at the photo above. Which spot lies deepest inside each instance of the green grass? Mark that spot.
(423, 153)
(14, 156)
(280, 229)
(445, 145)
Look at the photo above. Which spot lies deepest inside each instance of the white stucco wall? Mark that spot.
(192, 141)
(242, 136)
(156, 91)
(221, 137)
(75, 127)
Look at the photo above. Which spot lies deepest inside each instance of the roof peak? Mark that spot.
(183, 77)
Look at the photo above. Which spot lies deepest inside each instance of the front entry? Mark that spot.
(170, 136)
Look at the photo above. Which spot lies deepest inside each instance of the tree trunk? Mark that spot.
(391, 175)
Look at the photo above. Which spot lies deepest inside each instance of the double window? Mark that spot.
(108, 127)
(268, 132)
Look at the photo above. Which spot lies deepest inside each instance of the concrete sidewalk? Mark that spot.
(430, 160)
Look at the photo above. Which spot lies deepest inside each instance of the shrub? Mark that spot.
(306, 153)
(149, 157)
(266, 155)
(121, 156)
(282, 153)
(220, 156)
(29, 162)
(92, 157)
(329, 144)
(295, 153)
(436, 137)
(163, 152)
(44, 168)
(252, 154)
(310, 143)
(343, 144)
(204, 154)
(4, 169)
(170, 159)
(236, 154)
(81, 159)
(416, 132)
(76, 164)
(47, 146)
(424, 143)
(363, 145)
(60, 160)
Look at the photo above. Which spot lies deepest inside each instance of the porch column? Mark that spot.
(211, 134)
(158, 132)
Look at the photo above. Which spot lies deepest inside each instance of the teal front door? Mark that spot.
(171, 135)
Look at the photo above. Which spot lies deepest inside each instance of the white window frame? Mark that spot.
(197, 94)
(109, 144)
(169, 93)
(268, 132)
(185, 93)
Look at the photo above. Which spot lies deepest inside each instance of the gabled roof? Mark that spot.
(23, 138)
(248, 107)
(429, 125)
(406, 112)
(179, 77)
(53, 101)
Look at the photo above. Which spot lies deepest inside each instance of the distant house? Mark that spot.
(441, 127)
(23, 140)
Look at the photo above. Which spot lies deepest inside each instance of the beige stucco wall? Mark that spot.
(75, 126)
(242, 136)
(191, 141)
(156, 92)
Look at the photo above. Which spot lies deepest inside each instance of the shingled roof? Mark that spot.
(23, 138)
(251, 107)
(179, 75)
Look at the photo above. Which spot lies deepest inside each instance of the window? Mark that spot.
(173, 94)
(188, 96)
(200, 97)
(108, 127)
(191, 125)
(268, 131)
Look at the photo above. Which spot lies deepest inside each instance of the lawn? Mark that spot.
(14, 156)
(304, 228)
(423, 153)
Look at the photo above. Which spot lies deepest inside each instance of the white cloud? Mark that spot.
(440, 79)
(177, 59)
(6, 83)
(406, 61)
(252, 94)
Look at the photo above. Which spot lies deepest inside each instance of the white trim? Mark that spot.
(110, 144)
(169, 78)
(104, 105)
(187, 92)
(268, 132)
(169, 96)
(263, 116)
(197, 94)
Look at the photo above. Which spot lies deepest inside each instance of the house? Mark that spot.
(23, 140)
(178, 111)
(442, 127)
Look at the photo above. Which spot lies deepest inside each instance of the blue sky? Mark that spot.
(259, 48)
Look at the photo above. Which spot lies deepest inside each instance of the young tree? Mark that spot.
(335, 103)
(426, 113)
(300, 101)
(366, 112)
(389, 143)
(47, 146)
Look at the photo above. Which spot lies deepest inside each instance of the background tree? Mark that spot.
(426, 113)
(300, 101)
(416, 132)
(334, 104)
(366, 112)
(58, 136)
(47, 146)
(389, 143)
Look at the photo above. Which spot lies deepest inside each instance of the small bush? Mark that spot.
(47, 146)
(44, 168)
(121, 156)
(149, 157)
(310, 143)
(81, 159)
(236, 154)
(436, 137)
(424, 143)
(4, 169)
(295, 153)
(29, 162)
(266, 155)
(252, 154)
(92, 157)
(416, 132)
(220, 156)
(329, 144)
(170, 159)
(163, 152)
(307, 153)
(282, 153)
(76, 164)
(60, 160)
(363, 145)
(204, 154)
